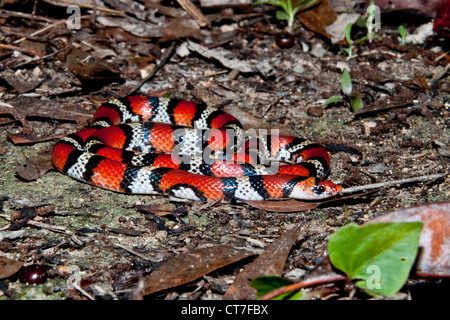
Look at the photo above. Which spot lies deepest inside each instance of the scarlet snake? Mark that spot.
(122, 150)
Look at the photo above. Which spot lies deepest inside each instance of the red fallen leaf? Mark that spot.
(426, 7)
(8, 267)
(434, 249)
(270, 262)
(190, 266)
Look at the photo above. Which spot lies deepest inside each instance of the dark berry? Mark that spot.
(285, 40)
(33, 274)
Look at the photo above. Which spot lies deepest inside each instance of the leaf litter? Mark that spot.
(52, 78)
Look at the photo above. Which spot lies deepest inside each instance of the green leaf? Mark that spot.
(304, 4)
(379, 255)
(333, 99)
(361, 40)
(282, 15)
(348, 33)
(361, 22)
(282, 4)
(356, 102)
(348, 51)
(346, 83)
(266, 284)
(403, 33)
(278, 3)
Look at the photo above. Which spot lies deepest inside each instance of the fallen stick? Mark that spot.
(392, 183)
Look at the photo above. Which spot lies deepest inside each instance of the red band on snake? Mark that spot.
(149, 145)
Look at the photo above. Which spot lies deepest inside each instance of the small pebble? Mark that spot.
(315, 111)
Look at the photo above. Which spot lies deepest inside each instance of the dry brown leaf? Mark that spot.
(293, 205)
(190, 266)
(283, 205)
(8, 267)
(42, 108)
(180, 28)
(136, 27)
(250, 122)
(270, 262)
(223, 56)
(26, 139)
(421, 82)
(434, 249)
(318, 18)
(88, 66)
(33, 169)
(23, 82)
(157, 209)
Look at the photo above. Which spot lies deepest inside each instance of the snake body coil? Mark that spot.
(149, 145)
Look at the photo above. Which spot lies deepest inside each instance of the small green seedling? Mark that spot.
(353, 99)
(402, 32)
(288, 11)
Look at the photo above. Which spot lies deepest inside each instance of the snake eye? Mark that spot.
(319, 189)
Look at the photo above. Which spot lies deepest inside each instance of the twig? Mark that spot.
(163, 61)
(273, 103)
(11, 47)
(51, 227)
(195, 12)
(10, 31)
(145, 257)
(77, 286)
(91, 6)
(42, 57)
(6, 14)
(392, 183)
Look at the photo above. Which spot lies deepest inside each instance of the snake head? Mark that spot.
(315, 189)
